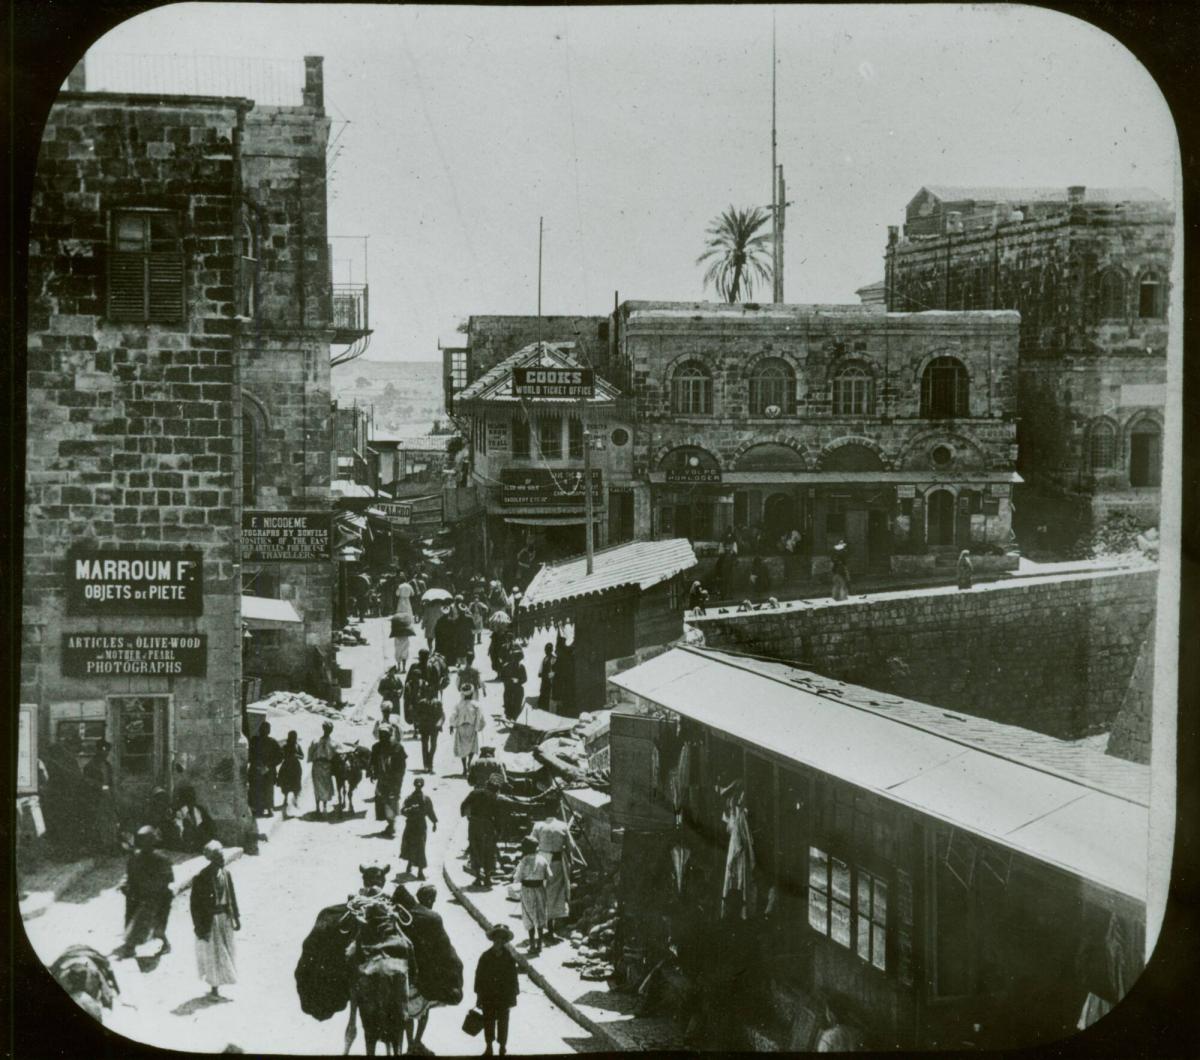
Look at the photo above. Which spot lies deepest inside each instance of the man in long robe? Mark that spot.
(439, 968)
(265, 756)
(320, 754)
(148, 895)
(387, 767)
(484, 809)
(554, 840)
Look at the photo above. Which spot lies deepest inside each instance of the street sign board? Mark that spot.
(523, 487)
(538, 382)
(694, 474)
(286, 536)
(134, 654)
(400, 514)
(127, 582)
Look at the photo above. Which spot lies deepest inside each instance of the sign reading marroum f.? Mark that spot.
(554, 382)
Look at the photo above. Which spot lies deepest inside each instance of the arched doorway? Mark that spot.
(939, 518)
(779, 515)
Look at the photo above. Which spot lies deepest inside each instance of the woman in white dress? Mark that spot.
(466, 722)
(403, 623)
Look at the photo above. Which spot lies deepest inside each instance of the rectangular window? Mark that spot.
(263, 582)
(520, 438)
(458, 369)
(145, 268)
(575, 439)
(550, 437)
(871, 920)
(829, 896)
(497, 435)
(140, 724)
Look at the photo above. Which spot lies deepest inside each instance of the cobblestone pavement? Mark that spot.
(304, 865)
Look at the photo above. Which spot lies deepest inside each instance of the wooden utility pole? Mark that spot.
(776, 198)
(587, 488)
(781, 213)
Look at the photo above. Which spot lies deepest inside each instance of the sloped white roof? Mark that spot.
(1088, 827)
(496, 383)
(344, 487)
(640, 563)
(268, 613)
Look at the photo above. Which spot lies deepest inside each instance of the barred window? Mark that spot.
(145, 268)
(773, 385)
(853, 392)
(550, 437)
(1102, 448)
(691, 389)
(1112, 295)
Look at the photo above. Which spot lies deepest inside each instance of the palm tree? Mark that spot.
(738, 252)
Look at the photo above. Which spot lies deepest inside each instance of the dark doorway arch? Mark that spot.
(770, 456)
(939, 507)
(779, 516)
(853, 456)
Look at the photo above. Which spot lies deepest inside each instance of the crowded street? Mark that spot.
(304, 865)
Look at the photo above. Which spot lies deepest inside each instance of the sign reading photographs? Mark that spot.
(554, 382)
(134, 654)
(539, 486)
(286, 537)
(694, 474)
(125, 582)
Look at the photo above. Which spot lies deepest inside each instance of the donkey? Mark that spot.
(348, 766)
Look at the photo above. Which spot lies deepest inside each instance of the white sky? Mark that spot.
(630, 128)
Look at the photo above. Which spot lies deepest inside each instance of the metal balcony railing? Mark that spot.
(351, 310)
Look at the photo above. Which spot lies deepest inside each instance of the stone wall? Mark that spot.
(1053, 654)
(1131, 734)
(285, 373)
(1078, 368)
(131, 427)
(492, 338)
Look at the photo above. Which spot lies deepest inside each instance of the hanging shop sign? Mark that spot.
(554, 382)
(399, 514)
(903, 492)
(693, 474)
(286, 537)
(134, 654)
(540, 486)
(128, 582)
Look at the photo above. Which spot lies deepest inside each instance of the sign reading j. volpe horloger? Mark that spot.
(292, 537)
(553, 382)
(134, 654)
(128, 582)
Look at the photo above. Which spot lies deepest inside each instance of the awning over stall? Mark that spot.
(261, 612)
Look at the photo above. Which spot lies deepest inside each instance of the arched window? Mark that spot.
(853, 392)
(1102, 446)
(691, 389)
(772, 385)
(944, 389)
(1152, 297)
(248, 264)
(1111, 295)
(1145, 454)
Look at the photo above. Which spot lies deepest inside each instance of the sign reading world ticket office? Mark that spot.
(289, 537)
(129, 582)
(539, 382)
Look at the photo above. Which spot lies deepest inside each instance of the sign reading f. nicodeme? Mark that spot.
(289, 537)
(134, 654)
(128, 582)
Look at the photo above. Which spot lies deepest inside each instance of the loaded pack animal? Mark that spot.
(348, 766)
(87, 976)
(366, 953)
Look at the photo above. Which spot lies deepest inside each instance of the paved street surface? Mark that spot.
(304, 865)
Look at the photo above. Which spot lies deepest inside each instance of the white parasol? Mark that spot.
(499, 620)
(432, 596)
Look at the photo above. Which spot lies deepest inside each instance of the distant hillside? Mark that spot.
(407, 395)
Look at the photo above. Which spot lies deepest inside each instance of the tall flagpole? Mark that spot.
(776, 279)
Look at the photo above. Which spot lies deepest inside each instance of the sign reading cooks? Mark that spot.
(126, 582)
(134, 654)
(293, 537)
(538, 486)
(554, 382)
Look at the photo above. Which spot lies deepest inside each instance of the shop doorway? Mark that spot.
(856, 539)
(939, 518)
(879, 540)
(779, 516)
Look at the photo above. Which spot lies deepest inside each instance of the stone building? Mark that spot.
(892, 431)
(526, 458)
(178, 377)
(1088, 269)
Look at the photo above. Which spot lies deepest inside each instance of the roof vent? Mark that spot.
(1076, 193)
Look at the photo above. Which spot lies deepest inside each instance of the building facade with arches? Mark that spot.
(800, 426)
(1089, 271)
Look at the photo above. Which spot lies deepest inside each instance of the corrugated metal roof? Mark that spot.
(959, 193)
(964, 780)
(641, 563)
(496, 383)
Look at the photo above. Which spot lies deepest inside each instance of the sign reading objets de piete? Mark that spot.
(554, 382)
(133, 582)
(134, 654)
(288, 537)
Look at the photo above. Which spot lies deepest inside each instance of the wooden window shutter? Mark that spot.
(145, 268)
